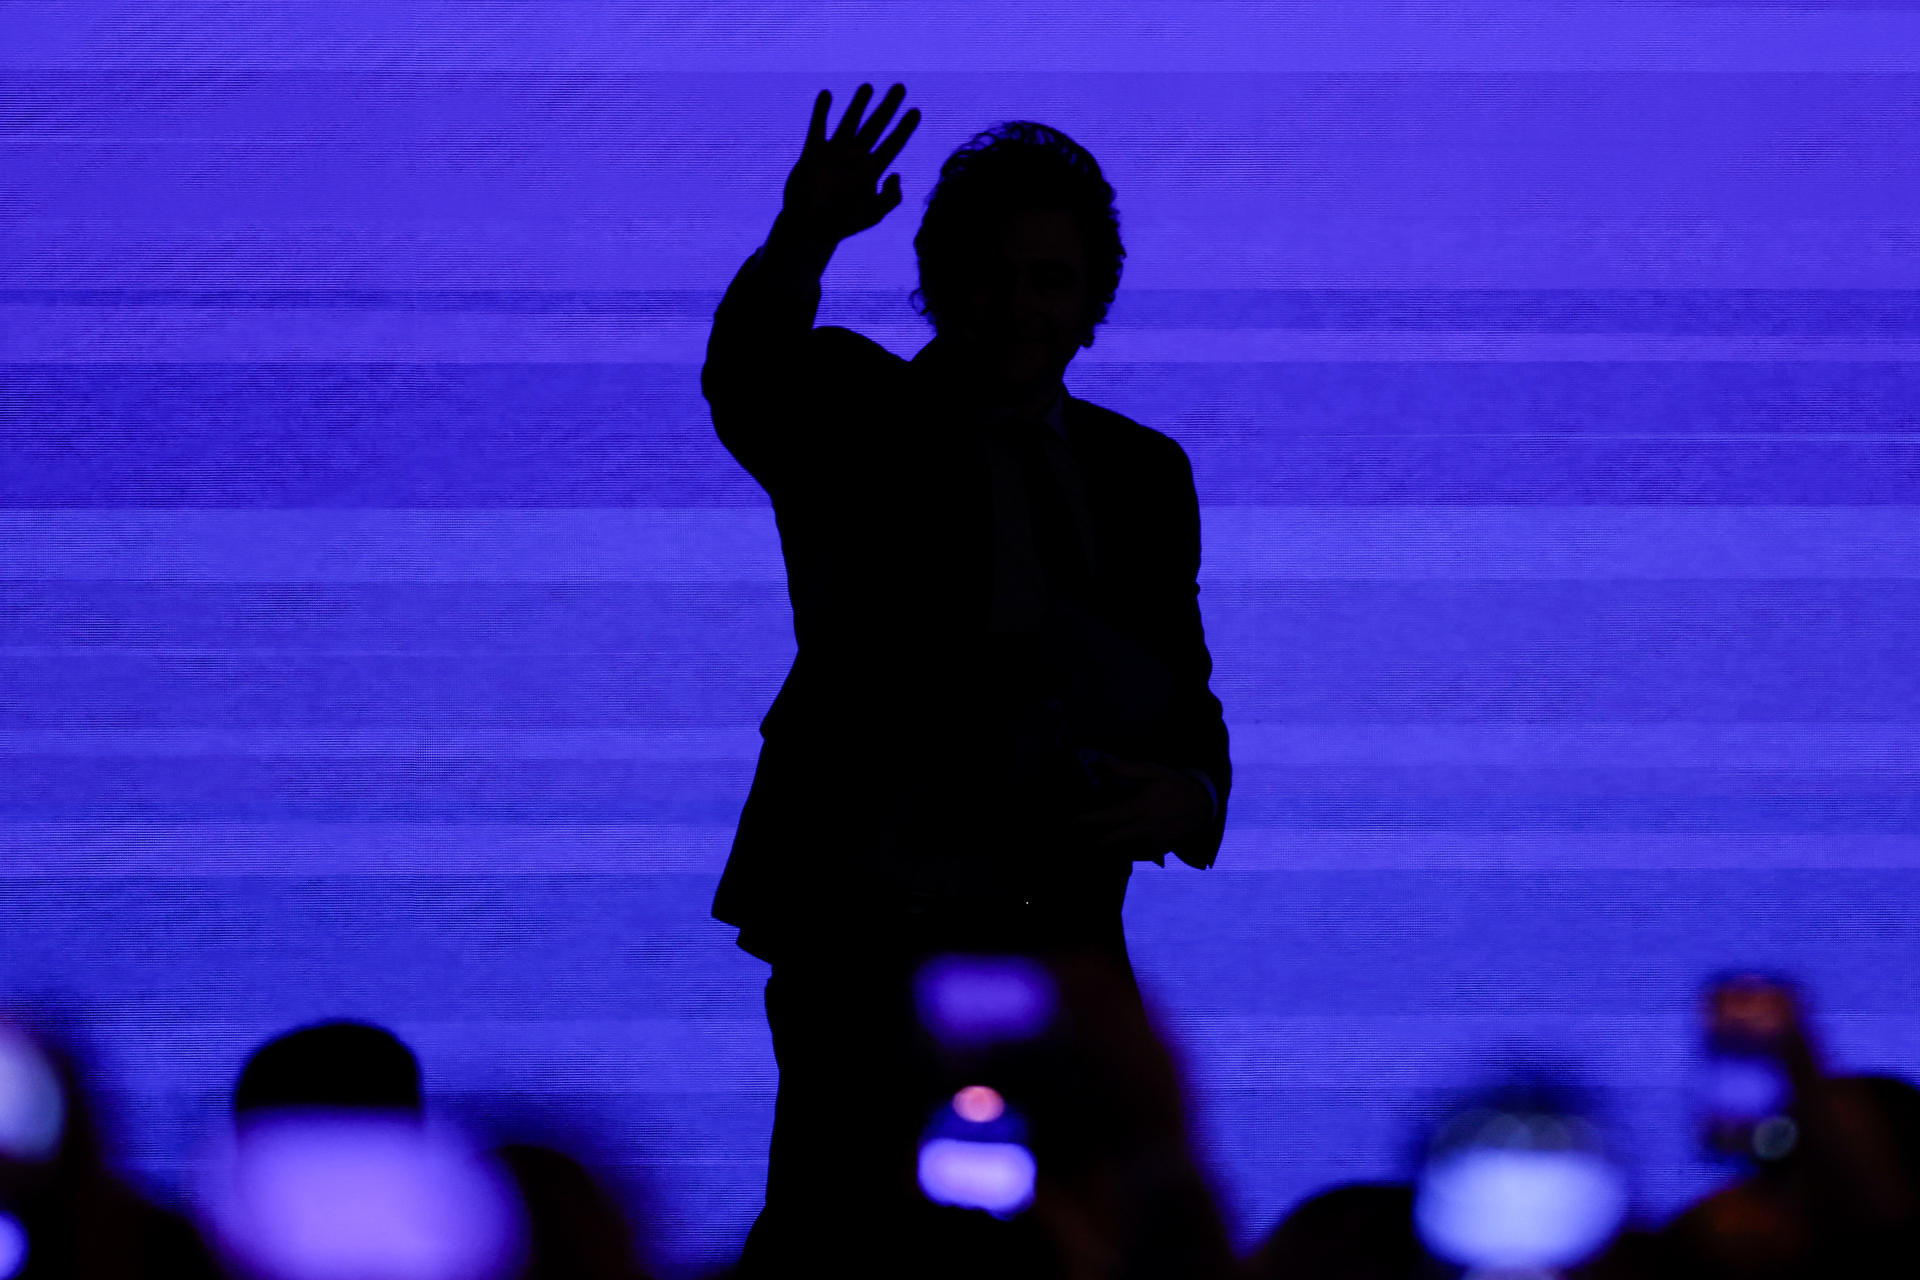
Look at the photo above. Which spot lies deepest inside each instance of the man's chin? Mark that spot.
(1007, 376)
(1022, 378)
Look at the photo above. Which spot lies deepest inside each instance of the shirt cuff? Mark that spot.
(1213, 794)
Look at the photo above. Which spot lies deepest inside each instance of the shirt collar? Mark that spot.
(935, 354)
(1057, 413)
(1055, 416)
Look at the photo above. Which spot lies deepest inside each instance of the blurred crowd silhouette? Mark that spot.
(1045, 1134)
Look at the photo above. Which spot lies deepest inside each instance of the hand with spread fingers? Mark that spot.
(835, 189)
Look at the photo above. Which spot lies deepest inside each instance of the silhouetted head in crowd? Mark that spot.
(1515, 1180)
(1520, 1180)
(1019, 255)
(334, 1065)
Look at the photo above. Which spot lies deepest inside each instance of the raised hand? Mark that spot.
(834, 190)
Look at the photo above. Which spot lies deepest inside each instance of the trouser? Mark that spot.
(856, 1090)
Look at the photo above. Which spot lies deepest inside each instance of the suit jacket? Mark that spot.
(889, 740)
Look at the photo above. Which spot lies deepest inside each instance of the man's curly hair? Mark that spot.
(1009, 169)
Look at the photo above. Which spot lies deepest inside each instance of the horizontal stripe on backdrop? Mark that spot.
(1156, 35)
(1524, 248)
(37, 850)
(1861, 313)
(1378, 941)
(1840, 747)
(67, 334)
(1457, 798)
(742, 545)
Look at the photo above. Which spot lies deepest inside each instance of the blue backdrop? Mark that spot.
(382, 630)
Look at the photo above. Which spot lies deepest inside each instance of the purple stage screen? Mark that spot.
(384, 632)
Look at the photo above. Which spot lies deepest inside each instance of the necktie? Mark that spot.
(1058, 541)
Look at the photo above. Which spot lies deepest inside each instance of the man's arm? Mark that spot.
(1178, 798)
(757, 360)
(758, 355)
(1197, 727)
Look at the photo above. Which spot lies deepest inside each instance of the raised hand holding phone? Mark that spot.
(1757, 1060)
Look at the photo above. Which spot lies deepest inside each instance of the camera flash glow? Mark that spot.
(995, 1176)
(339, 1197)
(32, 1110)
(1506, 1208)
(13, 1247)
(979, 1104)
(981, 1000)
(1753, 1088)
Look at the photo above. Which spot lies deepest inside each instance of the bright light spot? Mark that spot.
(1515, 1209)
(1503, 1129)
(32, 1111)
(995, 1176)
(13, 1247)
(1749, 1088)
(335, 1196)
(979, 1104)
(975, 1000)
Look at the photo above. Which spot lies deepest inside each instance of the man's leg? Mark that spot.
(840, 1164)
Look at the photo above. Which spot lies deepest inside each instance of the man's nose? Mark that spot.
(1026, 292)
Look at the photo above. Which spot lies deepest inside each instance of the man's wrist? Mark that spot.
(797, 252)
(1213, 793)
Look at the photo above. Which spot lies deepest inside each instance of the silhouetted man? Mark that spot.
(1000, 697)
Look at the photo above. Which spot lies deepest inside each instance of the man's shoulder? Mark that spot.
(1122, 438)
(851, 370)
(839, 342)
